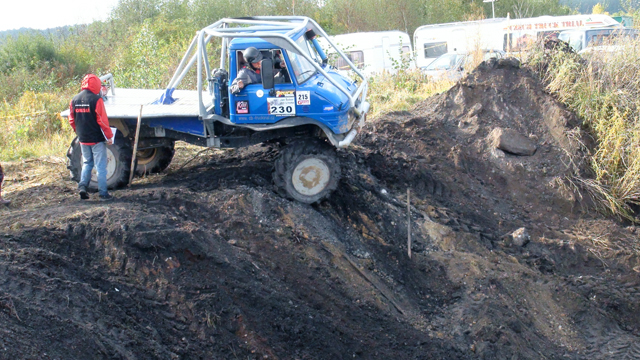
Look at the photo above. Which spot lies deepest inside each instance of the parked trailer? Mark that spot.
(432, 41)
(374, 52)
(518, 34)
(510, 35)
(311, 110)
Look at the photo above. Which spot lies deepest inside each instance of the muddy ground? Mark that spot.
(208, 262)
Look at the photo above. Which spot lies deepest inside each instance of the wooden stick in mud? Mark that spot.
(409, 222)
(135, 147)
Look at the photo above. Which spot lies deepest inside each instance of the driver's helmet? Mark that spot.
(252, 55)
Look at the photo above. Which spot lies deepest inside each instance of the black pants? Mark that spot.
(1, 176)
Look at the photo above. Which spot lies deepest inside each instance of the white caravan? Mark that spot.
(431, 41)
(511, 35)
(373, 52)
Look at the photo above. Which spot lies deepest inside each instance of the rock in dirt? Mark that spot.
(509, 62)
(512, 142)
(520, 237)
(475, 110)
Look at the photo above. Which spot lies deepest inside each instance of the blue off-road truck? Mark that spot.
(302, 103)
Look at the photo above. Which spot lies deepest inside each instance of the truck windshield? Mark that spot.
(302, 68)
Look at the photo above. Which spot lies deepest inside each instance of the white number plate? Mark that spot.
(282, 106)
(304, 97)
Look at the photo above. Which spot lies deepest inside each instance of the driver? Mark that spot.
(249, 74)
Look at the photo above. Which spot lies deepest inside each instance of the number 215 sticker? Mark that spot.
(303, 97)
(282, 106)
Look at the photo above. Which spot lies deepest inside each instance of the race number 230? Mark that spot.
(281, 110)
(283, 106)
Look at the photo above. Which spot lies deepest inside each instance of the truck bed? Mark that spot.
(126, 104)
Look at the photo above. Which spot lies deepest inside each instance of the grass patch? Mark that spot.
(400, 91)
(603, 88)
(32, 127)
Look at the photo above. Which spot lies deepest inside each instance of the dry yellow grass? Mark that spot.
(603, 88)
(32, 127)
(399, 92)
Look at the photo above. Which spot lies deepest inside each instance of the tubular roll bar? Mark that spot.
(263, 27)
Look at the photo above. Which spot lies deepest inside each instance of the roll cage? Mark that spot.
(281, 31)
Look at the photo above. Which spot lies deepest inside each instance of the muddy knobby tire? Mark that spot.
(313, 157)
(157, 160)
(121, 152)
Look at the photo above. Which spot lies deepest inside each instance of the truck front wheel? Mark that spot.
(307, 170)
(119, 157)
(154, 160)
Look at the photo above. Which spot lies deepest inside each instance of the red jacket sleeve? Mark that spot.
(72, 116)
(103, 120)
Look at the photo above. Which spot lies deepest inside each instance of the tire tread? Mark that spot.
(292, 154)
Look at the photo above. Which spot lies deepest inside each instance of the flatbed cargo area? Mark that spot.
(126, 104)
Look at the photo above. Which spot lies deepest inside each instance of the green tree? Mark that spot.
(518, 9)
(444, 11)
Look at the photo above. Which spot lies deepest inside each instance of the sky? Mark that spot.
(45, 14)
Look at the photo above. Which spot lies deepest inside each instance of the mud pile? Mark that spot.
(452, 137)
(209, 262)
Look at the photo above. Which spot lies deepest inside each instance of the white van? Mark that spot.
(373, 52)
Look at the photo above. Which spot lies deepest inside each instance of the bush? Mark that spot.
(147, 60)
(35, 63)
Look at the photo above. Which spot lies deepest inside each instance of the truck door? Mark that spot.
(255, 105)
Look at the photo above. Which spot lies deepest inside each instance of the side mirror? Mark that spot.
(266, 71)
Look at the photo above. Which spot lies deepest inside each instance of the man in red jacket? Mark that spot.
(88, 119)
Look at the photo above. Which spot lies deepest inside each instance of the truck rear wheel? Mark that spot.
(154, 160)
(119, 156)
(307, 170)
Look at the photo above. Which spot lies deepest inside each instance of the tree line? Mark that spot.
(336, 16)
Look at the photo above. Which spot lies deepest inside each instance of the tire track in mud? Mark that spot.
(612, 343)
(611, 326)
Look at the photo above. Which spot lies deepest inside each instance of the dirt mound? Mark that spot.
(453, 136)
(209, 262)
